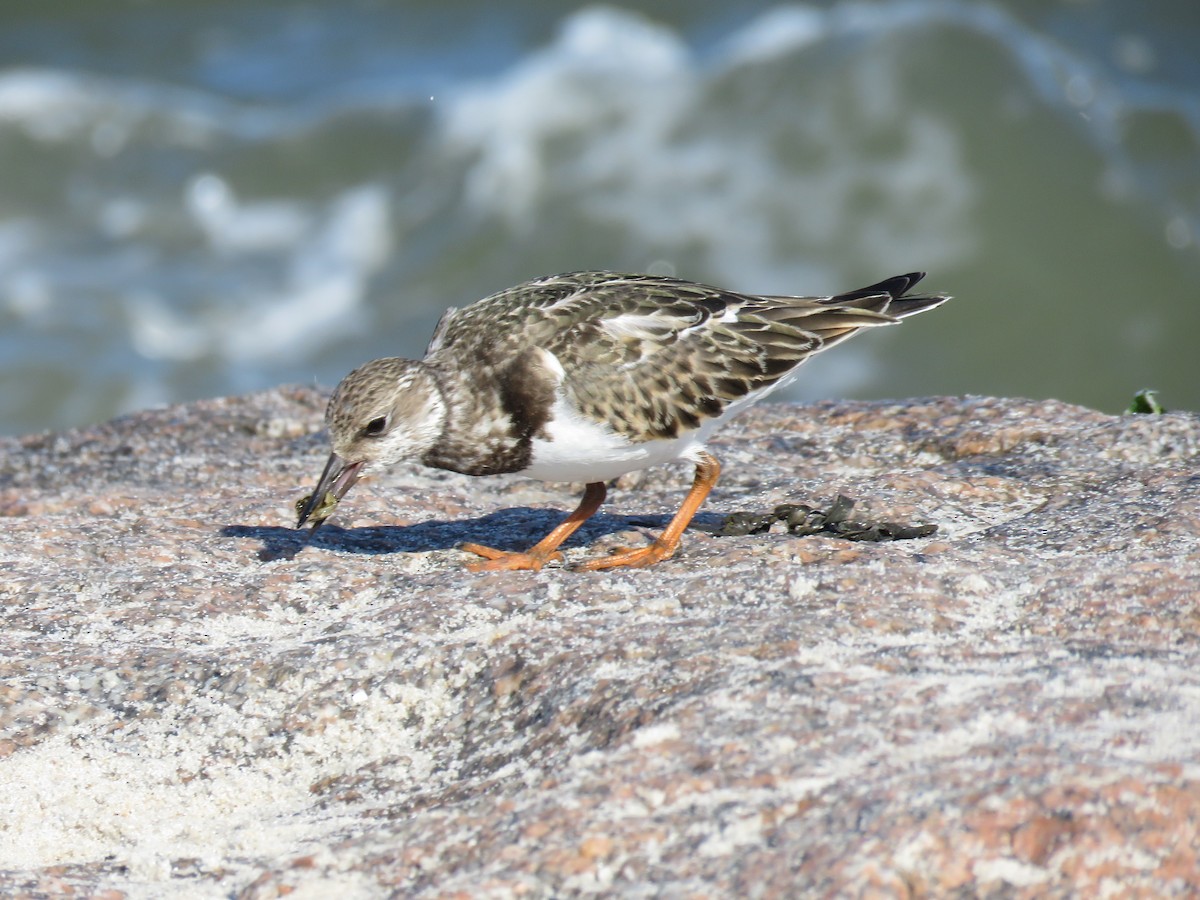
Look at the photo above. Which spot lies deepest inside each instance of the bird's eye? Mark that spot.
(376, 427)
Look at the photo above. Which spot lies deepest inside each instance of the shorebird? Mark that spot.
(584, 377)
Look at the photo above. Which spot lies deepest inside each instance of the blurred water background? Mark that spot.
(201, 198)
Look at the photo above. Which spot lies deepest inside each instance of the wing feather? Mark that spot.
(654, 356)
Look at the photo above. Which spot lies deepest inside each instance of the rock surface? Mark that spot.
(192, 703)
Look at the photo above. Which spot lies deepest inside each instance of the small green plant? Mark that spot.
(1146, 401)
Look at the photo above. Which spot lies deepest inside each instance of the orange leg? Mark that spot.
(708, 470)
(547, 548)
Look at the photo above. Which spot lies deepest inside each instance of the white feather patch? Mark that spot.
(580, 449)
(634, 326)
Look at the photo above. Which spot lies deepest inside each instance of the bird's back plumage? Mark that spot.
(654, 357)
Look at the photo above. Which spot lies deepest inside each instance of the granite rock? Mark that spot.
(194, 702)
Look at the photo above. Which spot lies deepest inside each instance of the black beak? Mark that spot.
(339, 476)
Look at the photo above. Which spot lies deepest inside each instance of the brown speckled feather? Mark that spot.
(652, 356)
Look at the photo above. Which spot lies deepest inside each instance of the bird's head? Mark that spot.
(384, 412)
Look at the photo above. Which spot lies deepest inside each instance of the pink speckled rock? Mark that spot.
(193, 703)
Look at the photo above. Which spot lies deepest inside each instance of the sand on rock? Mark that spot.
(195, 703)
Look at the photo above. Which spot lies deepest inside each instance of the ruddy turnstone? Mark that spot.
(584, 377)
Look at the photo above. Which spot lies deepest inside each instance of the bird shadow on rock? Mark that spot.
(517, 528)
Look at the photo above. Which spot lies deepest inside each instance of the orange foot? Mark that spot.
(504, 561)
(642, 556)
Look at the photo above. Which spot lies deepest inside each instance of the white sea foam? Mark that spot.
(650, 153)
(775, 33)
(326, 278)
(57, 106)
(24, 290)
(232, 226)
(327, 281)
(157, 332)
(775, 158)
(576, 86)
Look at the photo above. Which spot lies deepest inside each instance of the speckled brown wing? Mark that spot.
(656, 356)
(517, 317)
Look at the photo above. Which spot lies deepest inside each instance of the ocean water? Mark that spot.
(201, 198)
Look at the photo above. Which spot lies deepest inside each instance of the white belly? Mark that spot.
(581, 450)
